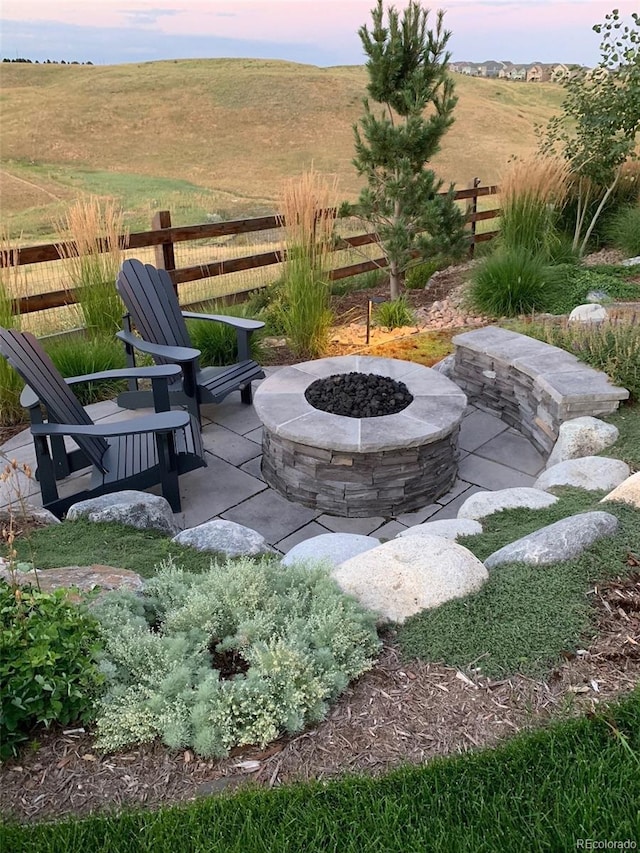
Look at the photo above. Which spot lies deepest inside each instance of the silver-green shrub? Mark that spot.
(234, 656)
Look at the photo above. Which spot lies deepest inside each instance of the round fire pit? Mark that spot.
(360, 466)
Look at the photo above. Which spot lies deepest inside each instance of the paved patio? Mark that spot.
(492, 456)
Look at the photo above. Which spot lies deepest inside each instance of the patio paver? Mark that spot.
(492, 457)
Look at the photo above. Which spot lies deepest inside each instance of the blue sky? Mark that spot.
(320, 33)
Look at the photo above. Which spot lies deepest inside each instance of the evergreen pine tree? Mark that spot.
(407, 66)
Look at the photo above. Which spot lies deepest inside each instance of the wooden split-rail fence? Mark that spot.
(163, 236)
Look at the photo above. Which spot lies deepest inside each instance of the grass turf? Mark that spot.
(83, 543)
(627, 447)
(542, 791)
(524, 617)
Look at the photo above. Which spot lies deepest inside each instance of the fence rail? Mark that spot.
(163, 236)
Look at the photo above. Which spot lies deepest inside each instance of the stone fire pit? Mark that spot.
(358, 467)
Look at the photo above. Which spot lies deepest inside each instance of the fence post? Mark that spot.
(165, 255)
(472, 207)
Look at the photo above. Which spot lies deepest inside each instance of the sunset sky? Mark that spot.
(319, 32)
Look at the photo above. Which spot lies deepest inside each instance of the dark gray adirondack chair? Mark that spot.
(153, 307)
(134, 454)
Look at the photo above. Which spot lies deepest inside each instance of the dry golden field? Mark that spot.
(213, 139)
(230, 129)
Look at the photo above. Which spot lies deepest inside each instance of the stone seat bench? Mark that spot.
(529, 384)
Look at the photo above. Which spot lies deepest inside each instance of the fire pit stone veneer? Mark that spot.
(358, 467)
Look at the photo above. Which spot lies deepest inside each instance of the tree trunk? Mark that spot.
(394, 280)
(394, 269)
(599, 210)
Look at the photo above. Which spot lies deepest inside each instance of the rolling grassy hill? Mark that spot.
(217, 136)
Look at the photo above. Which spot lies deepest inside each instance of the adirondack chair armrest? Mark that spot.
(29, 399)
(156, 371)
(242, 323)
(180, 355)
(244, 329)
(159, 422)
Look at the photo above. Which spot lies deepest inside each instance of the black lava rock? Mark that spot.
(358, 395)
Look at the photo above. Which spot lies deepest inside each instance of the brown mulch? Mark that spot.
(398, 712)
(352, 308)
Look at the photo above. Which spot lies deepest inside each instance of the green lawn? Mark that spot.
(542, 791)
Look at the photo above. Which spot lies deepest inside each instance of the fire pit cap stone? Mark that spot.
(437, 408)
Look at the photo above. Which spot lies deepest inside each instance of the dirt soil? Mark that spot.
(399, 712)
(349, 334)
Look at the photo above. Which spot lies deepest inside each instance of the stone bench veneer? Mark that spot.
(359, 467)
(529, 384)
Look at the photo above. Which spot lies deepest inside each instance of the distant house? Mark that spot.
(559, 71)
(509, 71)
(534, 72)
(537, 73)
(491, 68)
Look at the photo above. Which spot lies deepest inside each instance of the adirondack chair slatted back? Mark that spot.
(153, 305)
(25, 354)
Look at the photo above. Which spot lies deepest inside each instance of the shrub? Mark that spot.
(418, 276)
(571, 284)
(395, 314)
(218, 342)
(268, 304)
(233, 656)
(48, 674)
(308, 206)
(92, 227)
(532, 192)
(363, 281)
(74, 355)
(624, 195)
(511, 282)
(11, 412)
(623, 230)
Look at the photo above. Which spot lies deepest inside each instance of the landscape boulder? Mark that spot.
(593, 473)
(332, 548)
(598, 296)
(404, 576)
(482, 504)
(136, 509)
(447, 528)
(85, 578)
(582, 437)
(589, 314)
(563, 540)
(224, 537)
(628, 492)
